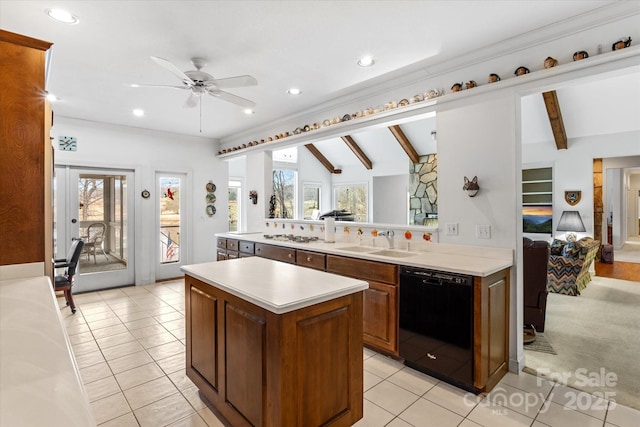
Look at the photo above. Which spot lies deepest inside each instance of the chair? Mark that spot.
(535, 258)
(569, 264)
(64, 282)
(94, 240)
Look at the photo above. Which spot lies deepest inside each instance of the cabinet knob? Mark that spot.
(308, 259)
(290, 255)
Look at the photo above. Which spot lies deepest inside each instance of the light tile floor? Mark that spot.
(129, 344)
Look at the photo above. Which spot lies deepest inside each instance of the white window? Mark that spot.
(285, 190)
(311, 196)
(353, 198)
(235, 205)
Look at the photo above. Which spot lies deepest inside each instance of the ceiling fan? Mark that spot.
(199, 83)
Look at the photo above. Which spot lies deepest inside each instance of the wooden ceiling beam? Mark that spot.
(555, 118)
(322, 159)
(405, 143)
(357, 151)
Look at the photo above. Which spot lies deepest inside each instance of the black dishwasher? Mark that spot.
(436, 324)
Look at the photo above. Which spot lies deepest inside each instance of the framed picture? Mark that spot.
(537, 219)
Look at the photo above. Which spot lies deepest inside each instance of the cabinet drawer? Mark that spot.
(222, 243)
(311, 259)
(363, 269)
(232, 244)
(246, 247)
(277, 253)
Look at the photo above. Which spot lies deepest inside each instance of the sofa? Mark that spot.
(569, 262)
(535, 257)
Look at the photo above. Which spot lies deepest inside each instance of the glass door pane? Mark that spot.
(101, 215)
(169, 219)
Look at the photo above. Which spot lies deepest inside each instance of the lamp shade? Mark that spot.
(571, 221)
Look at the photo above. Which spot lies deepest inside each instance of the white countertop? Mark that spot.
(275, 286)
(39, 380)
(463, 259)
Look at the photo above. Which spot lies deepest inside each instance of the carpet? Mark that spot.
(595, 336)
(540, 344)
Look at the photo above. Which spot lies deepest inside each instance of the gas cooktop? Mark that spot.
(290, 238)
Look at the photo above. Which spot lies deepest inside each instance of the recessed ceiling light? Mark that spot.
(248, 111)
(51, 97)
(366, 61)
(294, 91)
(138, 112)
(62, 16)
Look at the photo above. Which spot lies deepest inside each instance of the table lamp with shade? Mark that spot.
(571, 222)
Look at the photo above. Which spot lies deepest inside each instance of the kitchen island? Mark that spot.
(273, 344)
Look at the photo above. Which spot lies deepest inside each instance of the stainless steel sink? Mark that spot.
(393, 254)
(357, 249)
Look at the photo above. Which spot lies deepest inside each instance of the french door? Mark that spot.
(96, 206)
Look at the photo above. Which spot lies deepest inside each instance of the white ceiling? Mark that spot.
(312, 45)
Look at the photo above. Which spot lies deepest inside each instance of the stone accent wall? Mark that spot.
(423, 189)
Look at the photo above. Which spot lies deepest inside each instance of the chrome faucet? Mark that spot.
(389, 235)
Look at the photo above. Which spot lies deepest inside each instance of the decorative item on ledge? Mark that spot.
(471, 187)
(457, 87)
(521, 71)
(571, 222)
(253, 195)
(550, 62)
(621, 44)
(581, 54)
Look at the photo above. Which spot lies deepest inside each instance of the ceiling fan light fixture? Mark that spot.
(366, 61)
(62, 16)
(138, 112)
(294, 91)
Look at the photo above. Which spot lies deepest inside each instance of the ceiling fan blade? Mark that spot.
(238, 81)
(192, 101)
(175, 70)
(234, 99)
(169, 86)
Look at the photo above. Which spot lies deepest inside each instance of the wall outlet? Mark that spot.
(483, 231)
(452, 229)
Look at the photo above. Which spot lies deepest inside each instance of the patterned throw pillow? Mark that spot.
(571, 250)
(557, 246)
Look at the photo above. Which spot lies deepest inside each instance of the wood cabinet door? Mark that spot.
(491, 329)
(245, 336)
(380, 314)
(202, 326)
